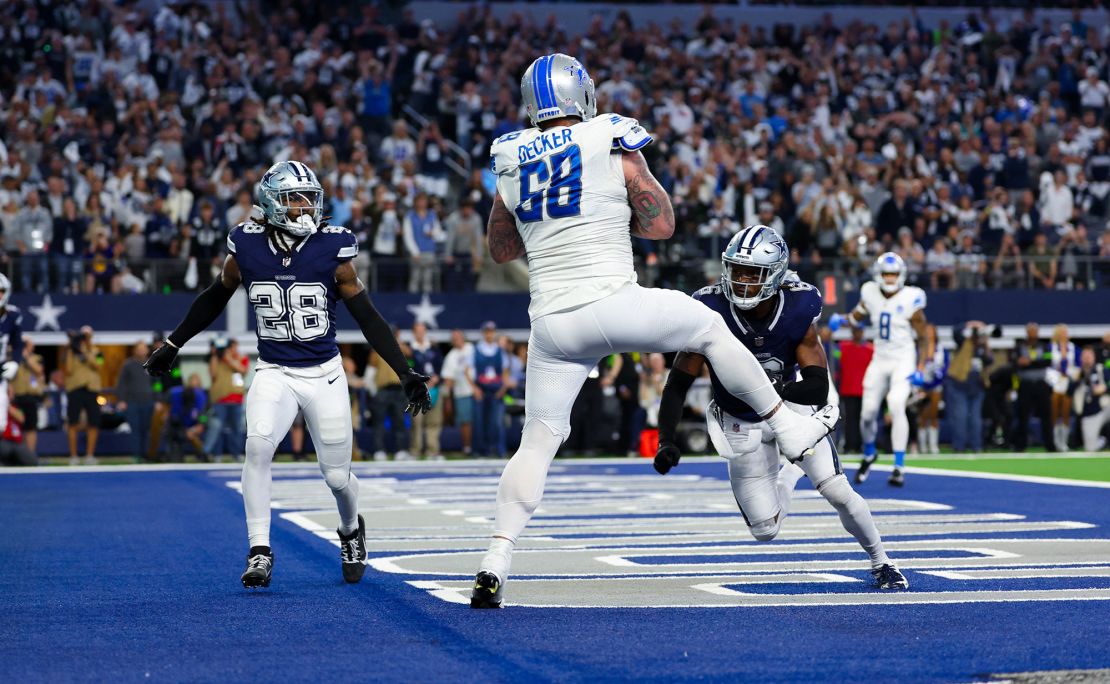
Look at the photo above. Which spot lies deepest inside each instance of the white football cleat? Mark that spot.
(797, 434)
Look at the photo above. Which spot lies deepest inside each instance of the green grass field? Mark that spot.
(1078, 467)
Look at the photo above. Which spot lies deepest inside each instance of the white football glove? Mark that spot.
(8, 370)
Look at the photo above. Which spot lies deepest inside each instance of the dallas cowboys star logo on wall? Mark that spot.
(46, 316)
(425, 312)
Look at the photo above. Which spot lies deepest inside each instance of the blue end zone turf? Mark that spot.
(133, 576)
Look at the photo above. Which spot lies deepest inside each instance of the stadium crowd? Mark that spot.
(130, 141)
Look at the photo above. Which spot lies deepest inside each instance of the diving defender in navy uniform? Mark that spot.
(773, 313)
(295, 269)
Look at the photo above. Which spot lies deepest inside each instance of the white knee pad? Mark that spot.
(836, 490)
(259, 449)
(334, 429)
(766, 530)
(336, 476)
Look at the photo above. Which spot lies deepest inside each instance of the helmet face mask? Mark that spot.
(753, 266)
(291, 198)
(555, 86)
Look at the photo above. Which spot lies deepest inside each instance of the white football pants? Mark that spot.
(564, 347)
(764, 497)
(887, 378)
(273, 400)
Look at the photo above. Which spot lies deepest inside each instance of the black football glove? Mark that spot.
(161, 360)
(666, 457)
(420, 401)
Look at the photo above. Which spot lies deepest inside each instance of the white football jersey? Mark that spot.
(565, 186)
(894, 336)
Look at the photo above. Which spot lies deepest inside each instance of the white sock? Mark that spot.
(256, 489)
(934, 439)
(498, 558)
(346, 500)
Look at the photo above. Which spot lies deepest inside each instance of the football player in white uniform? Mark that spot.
(569, 194)
(901, 351)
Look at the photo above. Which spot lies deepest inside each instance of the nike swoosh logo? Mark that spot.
(333, 380)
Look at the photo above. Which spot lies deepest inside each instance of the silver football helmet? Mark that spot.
(753, 266)
(889, 262)
(290, 186)
(5, 290)
(557, 85)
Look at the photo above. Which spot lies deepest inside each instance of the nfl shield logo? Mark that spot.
(736, 427)
(285, 262)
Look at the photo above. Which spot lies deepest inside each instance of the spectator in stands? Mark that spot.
(32, 239)
(426, 427)
(28, 387)
(81, 364)
(1058, 203)
(491, 377)
(388, 243)
(940, 264)
(135, 398)
(1092, 401)
(1007, 270)
(971, 266)
(422, 235)
(896, 212)
(459, 385)
(101, 272)
(1040, 260)
(68, 246)
(224, 432)
(1031, 357)
(463, 248)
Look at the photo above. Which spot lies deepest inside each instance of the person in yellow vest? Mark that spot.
(228, 368)
(82, 377)
(27, 390)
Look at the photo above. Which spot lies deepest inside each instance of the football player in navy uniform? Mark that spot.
(11, 345)
(295, 269)
(774, 315)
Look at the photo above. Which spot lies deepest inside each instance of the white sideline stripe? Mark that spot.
(1048, 572)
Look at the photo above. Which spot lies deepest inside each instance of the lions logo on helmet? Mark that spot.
(753, 266)
(555, 86)
(291, 198)
(890, 263)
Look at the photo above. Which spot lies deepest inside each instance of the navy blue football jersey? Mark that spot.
(11, 334)
(293, 296)
(773, 339)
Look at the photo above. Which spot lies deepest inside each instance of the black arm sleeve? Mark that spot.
(671, 403)
(206, 308)
(811, 390)
(377, 332)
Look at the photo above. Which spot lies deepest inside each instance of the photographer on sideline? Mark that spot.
(27, 390)
(82, 372)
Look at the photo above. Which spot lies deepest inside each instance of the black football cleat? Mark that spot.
(352, 551)
(487, 591)
(897, 479)
(864, 467)
(260, 567)
(889, 577)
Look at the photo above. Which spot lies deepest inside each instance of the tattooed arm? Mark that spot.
(652, 214)
(505, 243)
